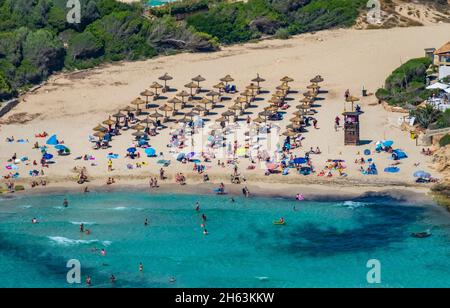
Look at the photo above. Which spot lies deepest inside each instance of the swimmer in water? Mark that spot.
(88, 232)
(89, 281)
(203, 217)
(146, 222)
(172, 280)
(81, 227)
(205, 232)
(232, 199)
(141, 267)
(65, 203)
(112, 278)
(103, 252)
(197, 206)
(34, 221)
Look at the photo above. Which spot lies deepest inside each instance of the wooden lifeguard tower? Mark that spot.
(351, 123)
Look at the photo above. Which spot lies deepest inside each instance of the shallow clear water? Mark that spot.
(159, 2)
(322, 244)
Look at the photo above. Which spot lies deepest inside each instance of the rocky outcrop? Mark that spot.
(441, 161)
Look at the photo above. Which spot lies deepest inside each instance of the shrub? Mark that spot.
(282, 34)
(444, 141)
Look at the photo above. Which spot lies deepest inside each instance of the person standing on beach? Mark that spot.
(110, 165)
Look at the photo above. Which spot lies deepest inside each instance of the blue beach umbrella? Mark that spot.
(60, 147)
(53, 140)
(422, 174)
(150, 152)
(387, 143)
(300, 160)
(47, 156)
(180, 156)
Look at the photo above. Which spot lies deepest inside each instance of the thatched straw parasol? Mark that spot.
(258, 79)
(286, 79)
(156, 115)
(235, 107)
(199, 109)
(317, 79)
(183, 94)
(191, 114)
(228, 113)
(265, 114)
(275, 101)
(303, 107)
(205, 102)
(118, 115)
(252, 87)
(184, 120)
(166, 77)
(174, 101)
(109, 122)
(212, 94)
(198, 79)
(129, 109)
(138, 134)
(279, 94)
(99, 135)
(299, 113)
(156, 86)
(100, 128)
(166, 108)
(222, 119)
(147, 121)
(138, 127)
(306, 100)
(290, 133)
(271, 108)
(192, 85)
(284, 87)
(259, 120)
(147, 94)
(227, 79)
(296, 120)
(309, 94)
(137, 102)
(219, 86)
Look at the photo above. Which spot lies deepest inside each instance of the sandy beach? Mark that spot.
(70, 105)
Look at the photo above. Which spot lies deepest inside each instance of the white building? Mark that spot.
(442, 60)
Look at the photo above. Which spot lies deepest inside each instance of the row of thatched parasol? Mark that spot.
(304, 108)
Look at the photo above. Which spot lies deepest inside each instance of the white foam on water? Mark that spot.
(125, 208)
(64, 241)
(86, 223)
(262, 278)
(106, 243)
(352, 204)
(26, 206)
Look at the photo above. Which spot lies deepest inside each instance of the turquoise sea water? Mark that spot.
(323, 244)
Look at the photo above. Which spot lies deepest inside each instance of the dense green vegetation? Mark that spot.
(425, 116)
(407, 84)
(240, 22)
(444, 141)
(36, 39)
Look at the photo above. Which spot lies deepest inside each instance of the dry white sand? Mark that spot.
(71, 105)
